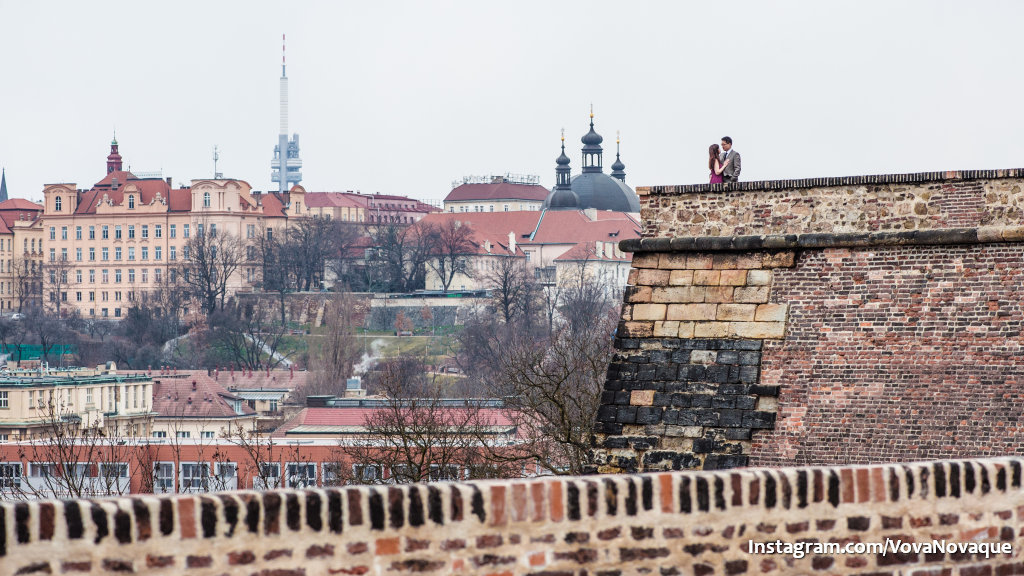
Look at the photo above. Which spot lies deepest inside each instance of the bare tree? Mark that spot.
(397, 262)
(28, 282)
(56, 274)
(514, 291)
(450, 243)
(212, 258)
(331, 364)
(248, 337)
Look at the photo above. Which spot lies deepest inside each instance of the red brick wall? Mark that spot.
(897, 353)
(667, 523)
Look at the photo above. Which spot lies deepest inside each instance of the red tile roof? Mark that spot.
(330, 200)
(587, 251)
(497, 191)
(174, 397)
(20, 204)
(250, 380)
(148, 189)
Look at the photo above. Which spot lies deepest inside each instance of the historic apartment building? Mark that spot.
(21, 255)
(126, 236)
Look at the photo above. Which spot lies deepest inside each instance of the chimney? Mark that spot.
(193, 385)
(113, 183)
(189, 401)
(292, 369)
(512, 242)
(169, 183)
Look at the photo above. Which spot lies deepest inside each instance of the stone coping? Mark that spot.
(917, 177)
(937, 237)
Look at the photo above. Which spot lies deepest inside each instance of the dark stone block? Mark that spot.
(746, 402)
(749, 358)
(702, 445)
(667, 372)
(681, 400)
(706, 417)
(648, 415)
(718, 374)
(723, 401)
(670, 417)
(670, 343)
(659, 356)
(734, 374)
(694, 372)
(748, 345)
(622, 398)
(737, 433)
(700, 400)
(681, 356)
(646, 372)
(730, 418)
(728, 357)
(734, 389)
(748, 374)
(606, 413)
(725, 461)
(762, 390)
(628, 344)
(759, 419)
(662, 399)
(626, 415)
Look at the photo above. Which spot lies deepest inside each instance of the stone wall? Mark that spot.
(873, 333)
(667, 523)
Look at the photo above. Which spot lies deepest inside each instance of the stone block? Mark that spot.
(641, 398)
(760, 330)
(779, 260)
(652, 277)
(669, 329)
(751, 294)
(768, 403)
(686, 329)
(638, 329)
(759, 277)
(698, 261)
(719, 294)
(680, 277)
(771, 312)
(733, 278)
(638, 294)
(648, 312)
(673, 261)
(736, 312)
(703, 357)
(678, 294)
(711, 330)
(631, 279)
(706, 277)
(724, 261)
(691, 311)
(749, 261)
(646, 260)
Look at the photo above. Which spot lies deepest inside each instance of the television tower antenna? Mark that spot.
(216, 157)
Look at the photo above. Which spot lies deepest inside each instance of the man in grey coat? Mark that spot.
(732, 171)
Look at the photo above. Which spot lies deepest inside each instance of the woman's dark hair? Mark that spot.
(713, 153)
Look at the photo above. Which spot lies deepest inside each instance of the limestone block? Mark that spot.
(678, 294)
(706, 277)
(711, 330)
(719, 294)
(699, 261)
(757, 330)
(691, 311)
(686, 329)
(733, 278)
(759, 277)
(641, 398)
(779, 260)
(724, 261)
(638, 329)
(674, 261)
(639, 294)
(652, 277)
(669, 329)
(749, 261)
(771, 313)
(736, 312)
(648, 312)
(681, 277)
(631, 279)
(751, 294)
(645, 260)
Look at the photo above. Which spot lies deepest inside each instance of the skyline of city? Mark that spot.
(433, 93)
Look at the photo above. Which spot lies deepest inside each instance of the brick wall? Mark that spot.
(827, 321)
(666, 523)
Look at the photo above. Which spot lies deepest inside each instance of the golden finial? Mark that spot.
(591, 110)
(563, 134)
(616, 136)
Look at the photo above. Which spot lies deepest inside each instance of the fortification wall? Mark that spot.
(850, 324)
(668, 523)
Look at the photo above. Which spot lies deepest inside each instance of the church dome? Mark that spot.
(618, 166)
(592, 138)
(562, 200)
(601, 191)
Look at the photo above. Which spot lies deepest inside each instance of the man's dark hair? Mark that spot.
(726, 139)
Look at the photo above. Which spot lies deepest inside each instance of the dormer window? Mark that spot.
(131, 201)
(206, 199)
(58, 203)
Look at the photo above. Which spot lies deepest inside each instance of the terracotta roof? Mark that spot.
(330, 200)
(498, 191)
(250, 380)
(587, 251)
(20, 204)
(390, 202)
(148, 189)
(174, 397)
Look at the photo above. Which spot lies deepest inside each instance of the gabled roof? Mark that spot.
(497, 191)
(191, 396)
(20, 204)
(330, 200)
(148, 189)
(250, 379)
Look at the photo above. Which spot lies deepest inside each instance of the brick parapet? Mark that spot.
(894, 202)
(668, 523)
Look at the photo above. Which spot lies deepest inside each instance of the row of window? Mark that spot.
(158, 276)
(158, 253)
(158, 231)
(113, 397)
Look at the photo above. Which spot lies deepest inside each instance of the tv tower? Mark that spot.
(286, 164)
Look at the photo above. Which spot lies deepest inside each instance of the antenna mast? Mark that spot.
(216, 157)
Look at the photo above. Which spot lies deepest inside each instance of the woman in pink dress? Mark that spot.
(715, 165)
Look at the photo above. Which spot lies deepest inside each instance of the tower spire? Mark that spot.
(562, 197)
(3, 185)
(286, 163)
(592, 147)
(618, 168)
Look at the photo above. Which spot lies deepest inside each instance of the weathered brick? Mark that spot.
(706, 277)
(652, 277)
(681, 278)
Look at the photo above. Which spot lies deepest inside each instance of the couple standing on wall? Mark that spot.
(724, 163)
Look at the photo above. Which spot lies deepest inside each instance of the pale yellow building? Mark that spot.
(21, 255)
(105, 246)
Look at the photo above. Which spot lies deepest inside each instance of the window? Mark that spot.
(117, 252)
(113, 470)
(105, 254)
(117, 275)
(92, 232)
(63, 232)
(145, 275)
(269, 476)
(131, 252)
(131, 231)
(53, 254)
(250, 231)
(145, 252)
(206, 199)
(159, 434)
(158, 275)
(117, 232)
(184, 251)
(57, 203)
(366, 472)
(131, 201)
(199, 229)
(173, 255)
(3, 399)
(78, 296)
(447, 472)
(184, 230)
(174, 230)
(195, 477)
(105, 232)
(88, 397)
(63, 254)
(92, 298)
(270, 233)
(145, 231)
(10, 473)
(42, 469)
(158, 231)
(78, 232)
(92, 254)
(105, 275)
(301, 475)
(131, 275)
(206, 434)
(53, 232)
(213, 230)
(157, 252)
(78, 254)
(183, 434)
(163, 472)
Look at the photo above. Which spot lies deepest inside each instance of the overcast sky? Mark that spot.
(405, 97)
